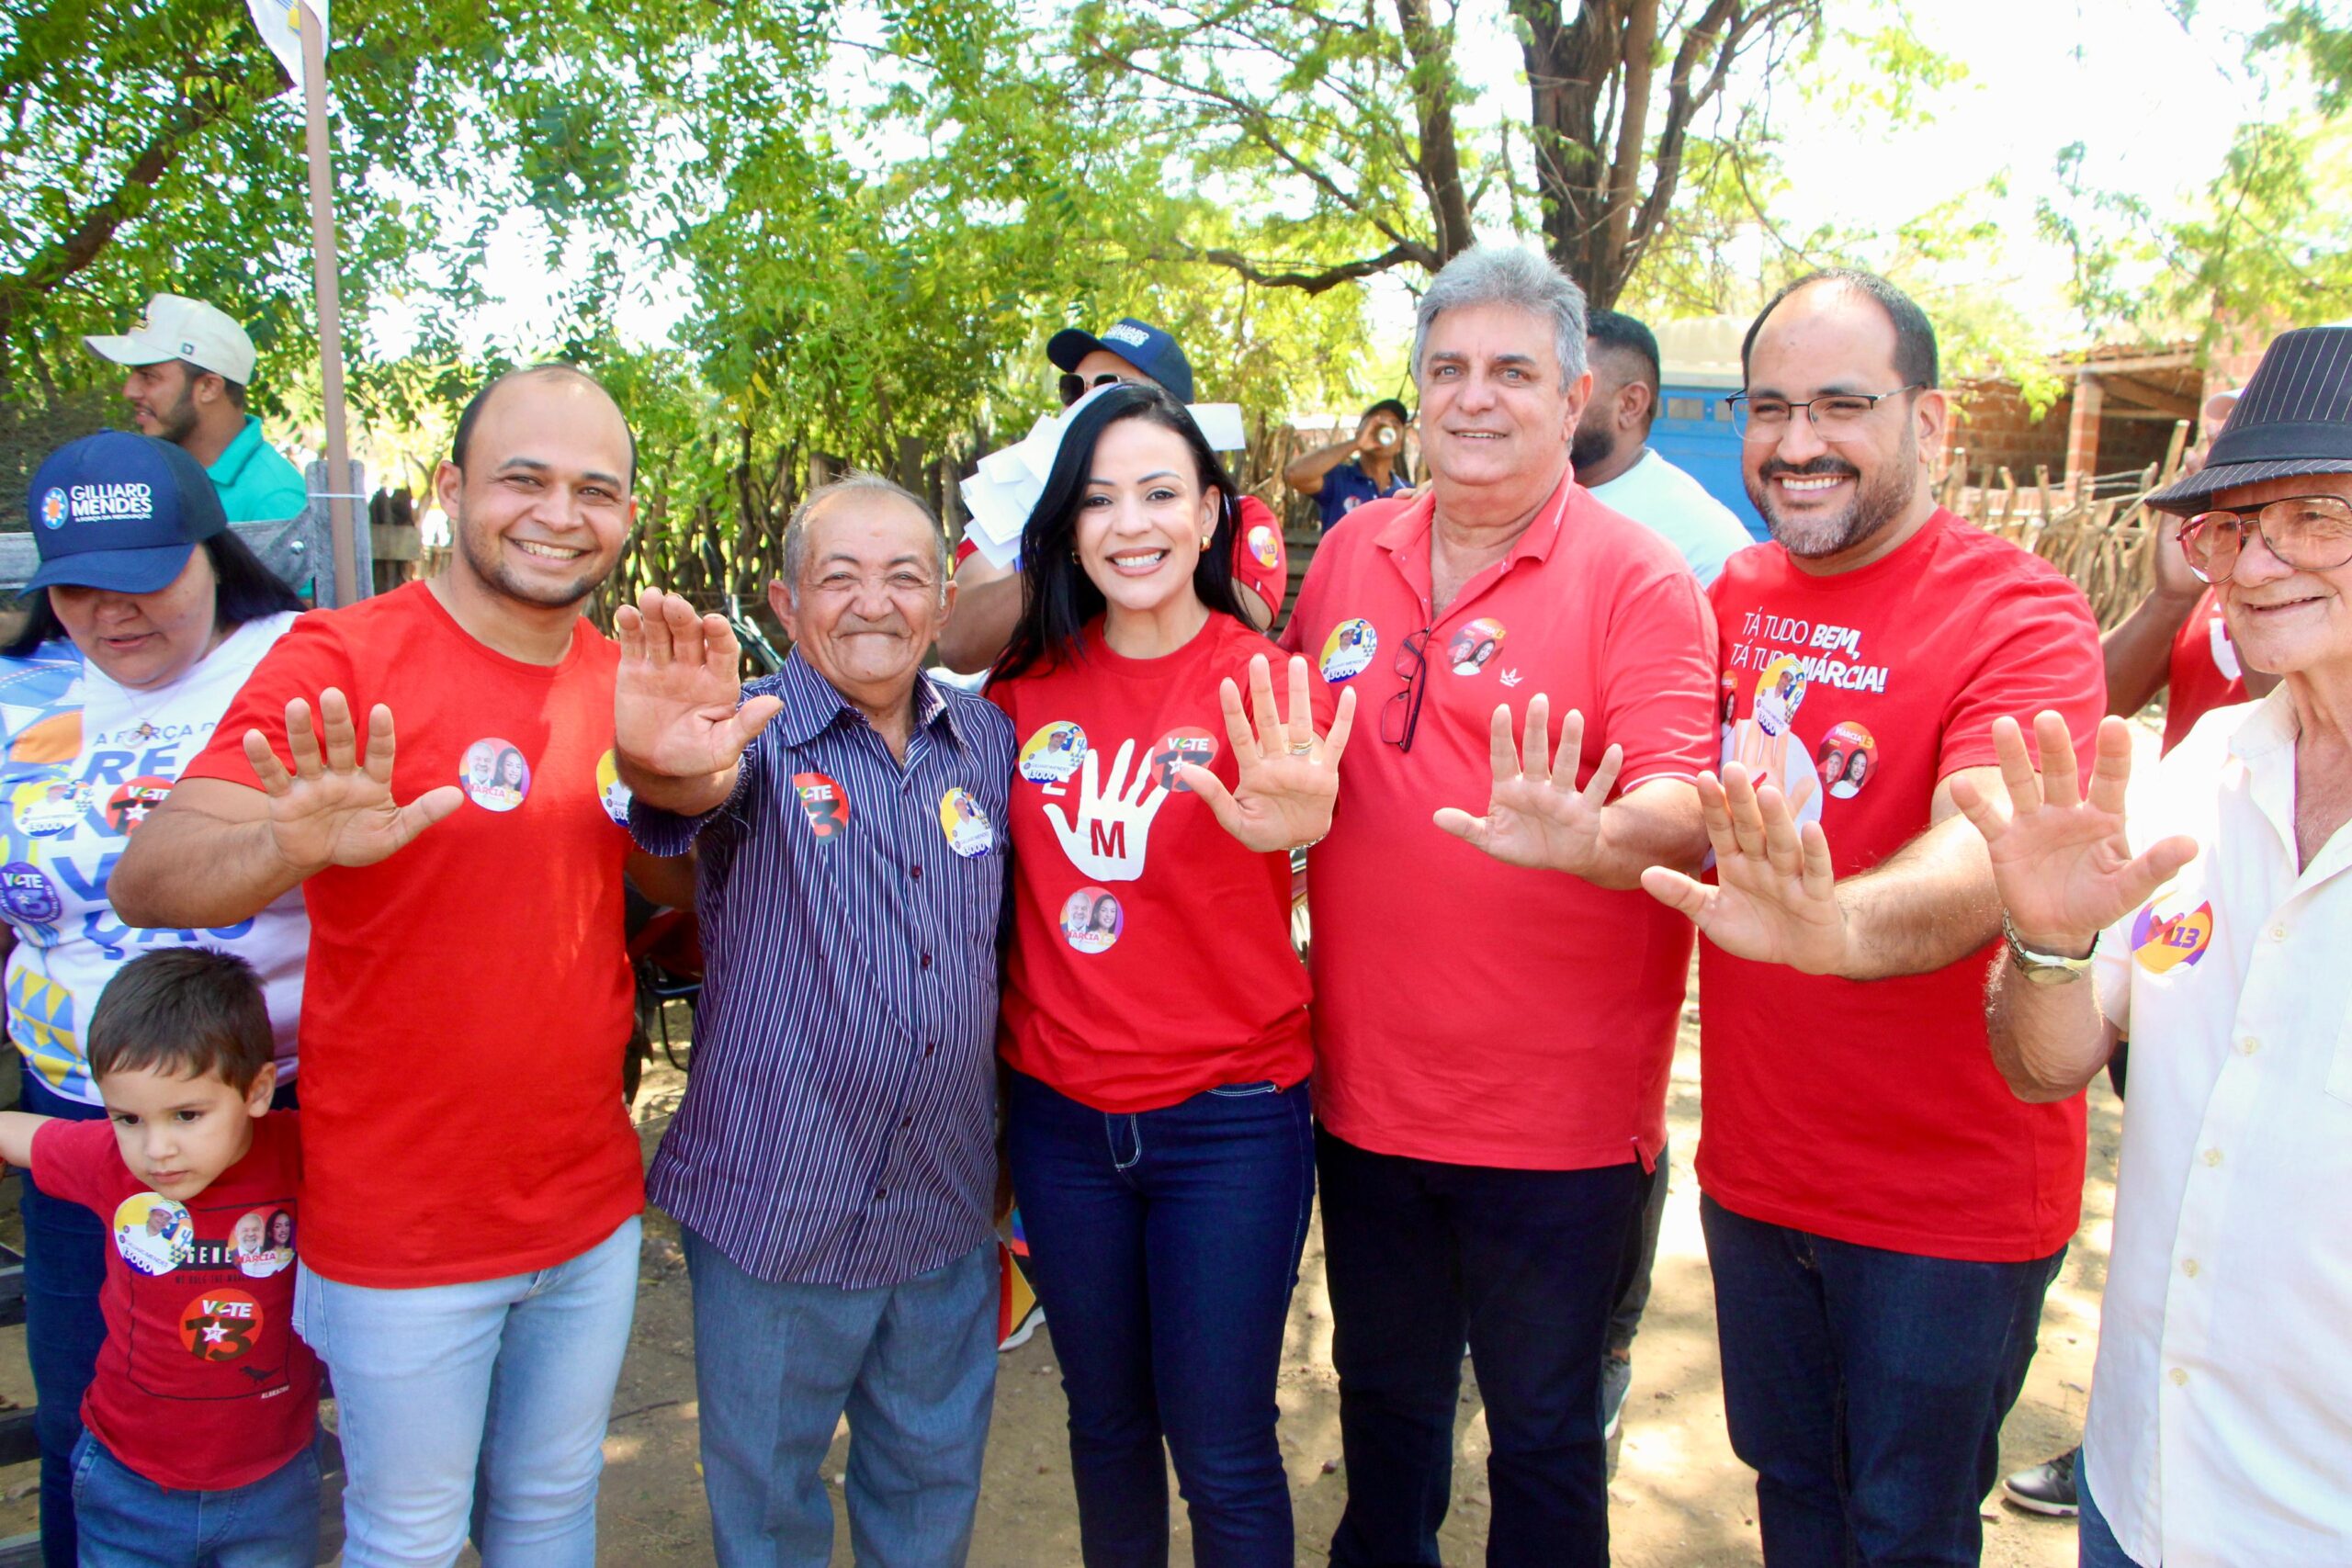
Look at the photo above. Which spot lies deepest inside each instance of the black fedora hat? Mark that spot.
(2294, 417)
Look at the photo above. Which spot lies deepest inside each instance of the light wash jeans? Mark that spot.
(776, 1365)
(499, 1387)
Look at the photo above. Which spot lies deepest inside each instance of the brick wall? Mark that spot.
(1992, 422)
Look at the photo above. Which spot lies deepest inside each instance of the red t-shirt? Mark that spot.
(1261, 560)
(201, 1384)
(1141, 975)
(1870, 1112)
(468, 1000)
(1470, 1011)
(2204, 672)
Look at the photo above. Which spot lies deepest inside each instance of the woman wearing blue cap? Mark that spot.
(147, 615)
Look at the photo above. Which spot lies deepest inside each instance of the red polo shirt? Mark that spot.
(1469, 1012)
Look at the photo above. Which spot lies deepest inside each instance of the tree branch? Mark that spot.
(1311, 282)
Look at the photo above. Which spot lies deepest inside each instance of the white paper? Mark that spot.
(1006, 487)
(281, 23)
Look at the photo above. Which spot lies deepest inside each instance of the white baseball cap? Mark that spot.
(178, 328)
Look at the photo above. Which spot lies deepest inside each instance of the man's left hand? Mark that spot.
(1775, 899)
(1536, 814)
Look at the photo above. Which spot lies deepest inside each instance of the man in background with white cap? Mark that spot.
(189, 366)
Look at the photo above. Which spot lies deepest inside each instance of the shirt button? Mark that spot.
(2249, 1046)
(907, 1121)
(2212, 1156)
(880, 1193)
(915, 872)
(2278, 933)
(2179, 1376)
(2188, 1267)
(926, 960)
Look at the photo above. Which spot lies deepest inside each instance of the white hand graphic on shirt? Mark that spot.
(1114, 820)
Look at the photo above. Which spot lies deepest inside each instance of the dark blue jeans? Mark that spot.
(1164, 1247)
(128, 1521)
(1866, 1389)
(65, 1262)
(1525, 1267)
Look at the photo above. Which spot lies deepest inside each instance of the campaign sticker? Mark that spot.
(822, 800)
(2161, 944)
(1054, 754)
(153, 1234)
(1779, 691)
(965, 825)
(44, 810)
(610, 791)
(57, 738)
(1730, 688)
(1847, 757)
(128, 807)
(27, 894)
(494, 774)
(221, 1325)
(1197, 746)
(263, 1242)
(1476, 643)
(54, 510)
(1348, 650)
(1265, 546)
(1091, 919)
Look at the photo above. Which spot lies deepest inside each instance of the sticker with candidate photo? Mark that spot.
(1778, 692)
(44, 809)
(1348, 650)
(263, 1242)
(28, 894)
(1476, 643)
(221, 1325)
(1052, 755)
(965, 825)
(1197, 746)
(822, 802)
(1730, 694)
(1091, 919)
(1846, 759)
(613, 795)
(1265, 546)
(153, 1234)
(2160, 941)
(494, 774)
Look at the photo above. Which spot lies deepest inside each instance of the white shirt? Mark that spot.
(2220, 1433)
(1673, 505)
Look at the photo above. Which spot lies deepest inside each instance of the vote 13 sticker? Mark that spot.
(822, 802)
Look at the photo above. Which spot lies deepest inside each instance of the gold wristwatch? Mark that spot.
(2044, 968)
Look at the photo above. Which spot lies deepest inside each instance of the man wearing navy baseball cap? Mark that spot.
(189, 364)
(120, 512)
(988, 595)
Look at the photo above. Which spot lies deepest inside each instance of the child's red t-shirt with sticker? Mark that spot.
(1870, 1111)
(467, 1001)
(202, 1384)
(1151, 956)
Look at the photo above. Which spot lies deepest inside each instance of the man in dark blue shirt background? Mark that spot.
(1344, 475)
(832, 1165)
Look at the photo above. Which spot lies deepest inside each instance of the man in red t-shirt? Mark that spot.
(471, 1182)
(987, 599)
(1883, 1216)
(1492, 1036)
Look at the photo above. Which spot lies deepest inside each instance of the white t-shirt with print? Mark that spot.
(82, 762)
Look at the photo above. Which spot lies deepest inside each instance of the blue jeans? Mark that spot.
(1525, 1267)
(2095, 1542)
(776, 1365)
(128, 1521)
(482, 1403)
(1163, 1246)
(1866, 1389)
(65, 1262)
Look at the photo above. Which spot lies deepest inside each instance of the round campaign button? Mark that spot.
(1196, 746)
(1476, 643)
(1091, 919)
(27, 894)
(613, 793)
(494, 774)
(822, 802)
(1265, 546)
(128, 807)
(1349, 650)
(45, 809)
(153, 1234)
(1054, 754)
(221, 1325)
(965, 825)
(1847, 757)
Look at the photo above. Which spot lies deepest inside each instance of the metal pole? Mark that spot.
(330, 303)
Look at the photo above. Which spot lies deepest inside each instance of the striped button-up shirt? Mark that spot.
(839, 1126)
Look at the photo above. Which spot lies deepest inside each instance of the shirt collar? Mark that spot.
(811, 705)
(2268, 727)
(241, 450)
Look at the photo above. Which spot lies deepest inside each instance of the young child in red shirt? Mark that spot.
(199, 1424)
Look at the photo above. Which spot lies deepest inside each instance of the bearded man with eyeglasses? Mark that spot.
(1883, 1216)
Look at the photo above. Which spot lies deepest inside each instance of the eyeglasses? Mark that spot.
(1836, 416)
(1401, 714)
(2309, 532)
(1075, 386)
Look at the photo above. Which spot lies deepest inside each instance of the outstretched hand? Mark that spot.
(1536, 814)
(1286, 777)
(335, 807)
(1775, 898)
(678, 708)
(2064, 869)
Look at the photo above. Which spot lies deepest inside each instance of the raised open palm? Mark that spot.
(676, 700)
(335, 807)
(2063, 867)
(1286, 778)
(1775, 898)
(1536, 814)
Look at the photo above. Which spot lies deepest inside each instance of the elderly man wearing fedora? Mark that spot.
(189, 366)
(2212, 927)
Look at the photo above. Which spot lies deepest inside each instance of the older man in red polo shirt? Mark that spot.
(1497, 999)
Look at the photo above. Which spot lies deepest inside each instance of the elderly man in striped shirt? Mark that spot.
(834, 1163)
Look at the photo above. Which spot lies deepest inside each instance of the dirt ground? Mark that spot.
(1679, 1499)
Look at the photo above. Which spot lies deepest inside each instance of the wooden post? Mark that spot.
(330, 303)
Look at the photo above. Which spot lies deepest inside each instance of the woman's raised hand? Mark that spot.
(1287, 777)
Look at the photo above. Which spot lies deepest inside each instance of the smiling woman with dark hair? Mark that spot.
(1164, 1173)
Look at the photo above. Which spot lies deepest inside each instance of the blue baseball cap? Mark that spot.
(1140, 344)
(122, 512)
